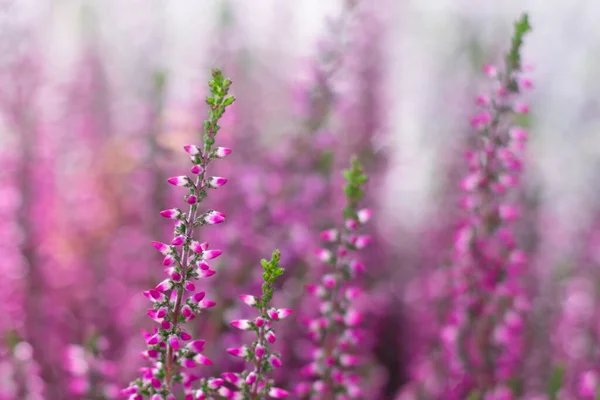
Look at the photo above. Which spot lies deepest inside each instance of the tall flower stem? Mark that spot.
(164, 344)
(335, 332)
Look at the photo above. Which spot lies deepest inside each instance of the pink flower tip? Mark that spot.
(353, 318)
(217, 181)
(277, 393)
(197, 169)
(324, 255)
(521, 108)
(210, 254)
(251, 378)
(284, 312)
(202, 359)
(242, 324)
(206, 273)
(351, 224)
(174, 342)
(526, 83)
(517, 133)
(206, 303)
(178, 240)
(214, 217)
(222, 152)
(490, 70)
(172, 213)
(168, 261)
(364, 215)
(164, 285)
(275, 361)
(272, 313)
(508, 213)
(362, 241)
(178, 180)
(330, 235)
(238, 351)
(191, 199)
(163, 248)
(483, 100)
(356, 267)
(191, 149)
(481, 120)
(198, 296)
(271, 338)
(196, 346)
(197, 247)
(248, 299)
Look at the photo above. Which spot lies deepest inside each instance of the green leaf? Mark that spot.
(513, 57)
(160, 80)
(228, 100)
(474, 396)
(556, 381)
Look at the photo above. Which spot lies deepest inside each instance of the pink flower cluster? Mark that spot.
(484, 338)
(175, 299)
(253, 383)
(335, 332)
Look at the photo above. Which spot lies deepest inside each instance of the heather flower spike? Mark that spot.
(170, 307)
(491, 304)
(335, 331)
(253, 383)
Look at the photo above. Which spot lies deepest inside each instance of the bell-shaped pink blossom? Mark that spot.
(179, 180)
(197, 169)
(248, 299)
(191, 149)
(222, 152)
(216, 181)
(173, 213)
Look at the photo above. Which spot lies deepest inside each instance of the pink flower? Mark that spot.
(248, 299)
(277, 393)
(242, 324)
(191, 149)
(330, 235)
(364, 215)
(241, 352)
(197, 169)
(214, 217)
(521, 108)
(173, 213)
(216, 182)
(222, 152)
(490, 70)
(179, 180)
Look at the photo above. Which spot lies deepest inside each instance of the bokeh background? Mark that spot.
(97, 99)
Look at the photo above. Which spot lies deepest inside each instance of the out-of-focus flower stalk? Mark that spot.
(484, 338)
(336, 331)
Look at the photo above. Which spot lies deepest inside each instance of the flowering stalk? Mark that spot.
(254, 384)
(484, 337)
(185, 260)
(335, 331)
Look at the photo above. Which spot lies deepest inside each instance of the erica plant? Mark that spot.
(335, 330)
(253, 383)
(484, 334)
(175, 301)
